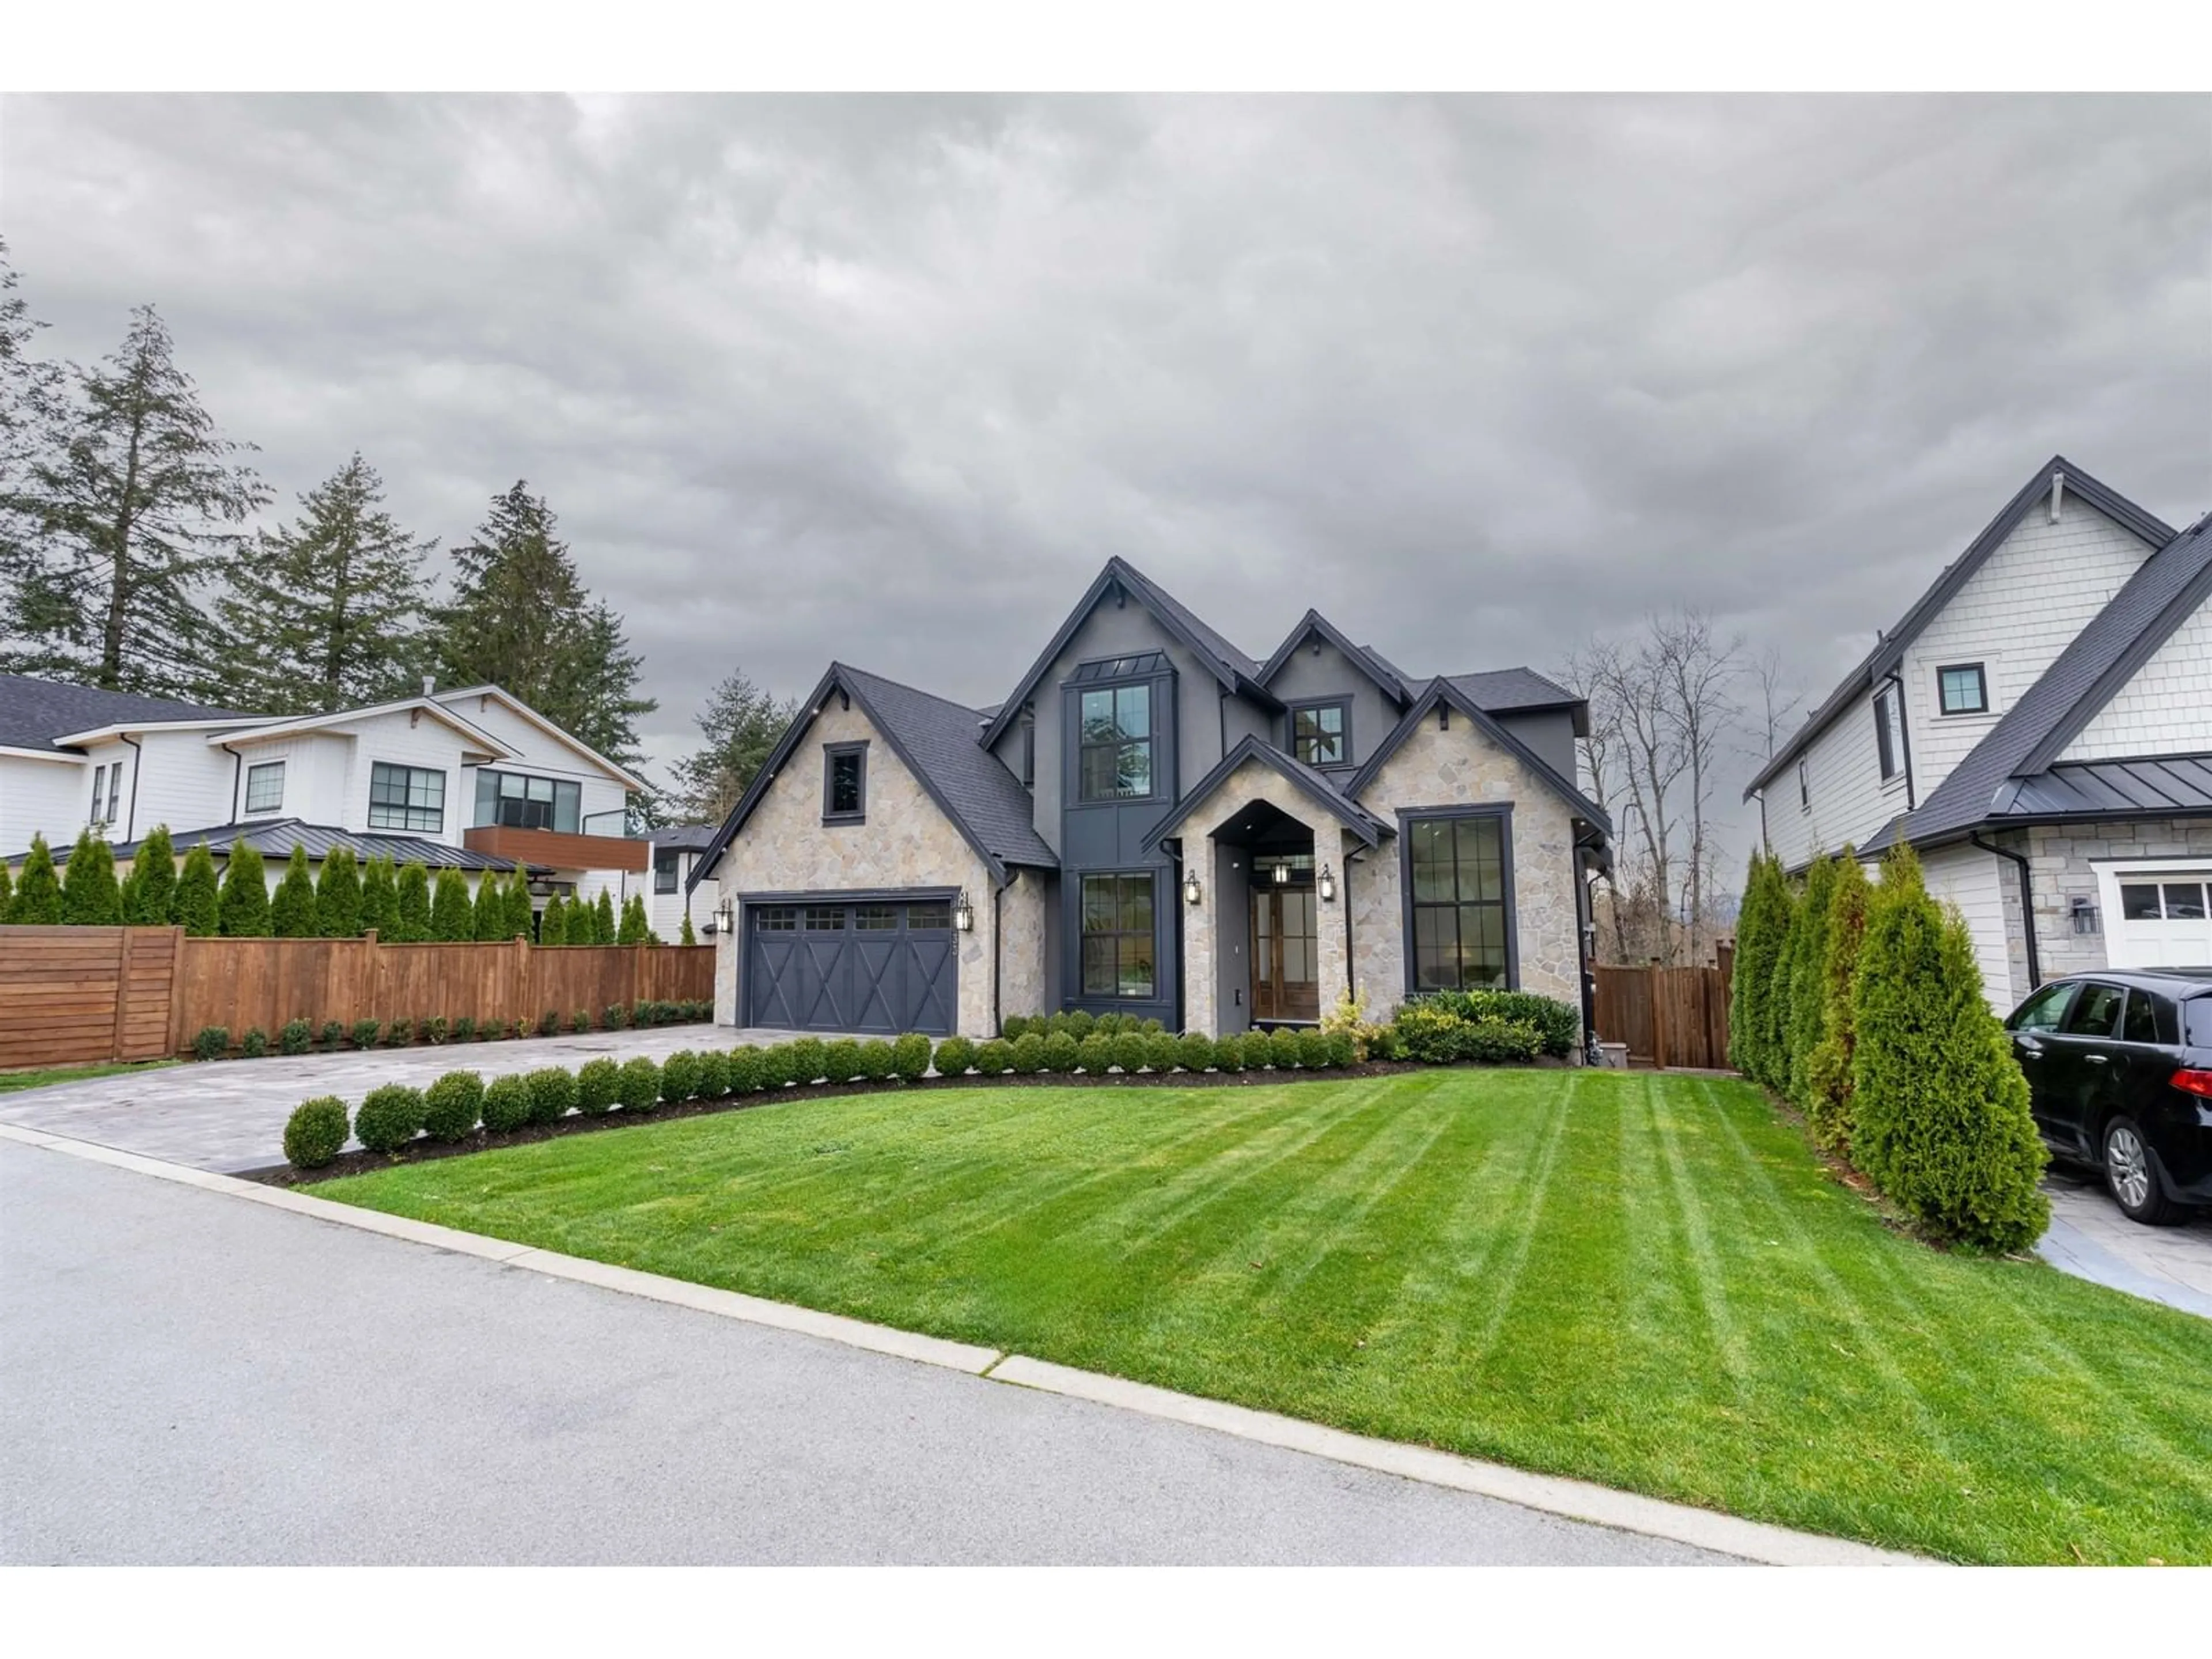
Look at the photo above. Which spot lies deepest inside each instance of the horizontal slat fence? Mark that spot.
(77, 995)
(1669, 1016)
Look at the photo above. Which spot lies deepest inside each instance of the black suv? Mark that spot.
(2119, 1071)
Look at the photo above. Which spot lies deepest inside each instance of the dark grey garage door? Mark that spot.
(834, 965)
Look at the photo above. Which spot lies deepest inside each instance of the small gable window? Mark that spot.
(1965, 689)
(1321, 732)
(844, 783)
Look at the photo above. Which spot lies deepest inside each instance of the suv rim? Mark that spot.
(2130, 1169)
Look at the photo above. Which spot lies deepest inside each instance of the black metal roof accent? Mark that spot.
(1444, 690)
(1889, 648)
(2159, 786)
(935, 739)
(1367, 662)
(2096, 663)
(33, 712)
(275, 838)
(1324, 792)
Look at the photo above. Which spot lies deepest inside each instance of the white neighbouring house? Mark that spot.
(2038, 727)
(473, 780)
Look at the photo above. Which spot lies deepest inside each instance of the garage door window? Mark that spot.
(929, 918)
(825, 918)
(778, 919)
(876, 918)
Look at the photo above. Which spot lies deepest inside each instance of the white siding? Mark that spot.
(184, 782)
(40, 797)
(2015, 615)
(604, 795)
(665, 910)
(1972, 880)
(317, 766)
(2166, 708)
(1850, 801)
(429, 742)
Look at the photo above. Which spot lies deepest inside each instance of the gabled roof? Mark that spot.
(37, 714)
(559, 734)
(681, 837)
(1521, 691)
(1445, 691)
(1315, 783)
(2095, 665)
(275, 838)
(1889, 649)
(1234, 670)
(935, 738)
(436, 710)
(1367, 662)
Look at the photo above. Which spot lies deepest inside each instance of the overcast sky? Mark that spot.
(887, 378)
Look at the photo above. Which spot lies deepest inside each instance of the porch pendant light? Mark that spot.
(1327, 886)
(1190, 893)
(1282, 875)
(964, 914)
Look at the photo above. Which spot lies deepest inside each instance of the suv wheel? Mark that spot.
(2129, 1176)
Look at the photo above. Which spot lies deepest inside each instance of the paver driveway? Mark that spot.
(228, 1115)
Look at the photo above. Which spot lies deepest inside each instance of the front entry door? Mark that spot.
(1285, 955)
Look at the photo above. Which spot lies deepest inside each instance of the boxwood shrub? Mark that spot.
(1229, 1052)
(806, 1056)
(841, 1059)
(254, 1043)
(1195, 1051)
(954, 1056)
(506, 1102)
(995, 1057)
(452, 1105)
(1061, 1052)
(1130, 1049)
(597, 1083)
(1556, 1023)
(465, 1028)
(315, 1131)
(1283, 1048)
(295, 1037)
(1028, 1053)
(777, 1068)
(639, 1089)
(1163, 1050)
(1314, 1051)
(1095, 1053)
(552, 1093)
(333, 1034)
(211, 1042)
(389, 1118)
(876, 1059)
(679, 1076)
(744, 1069)
(713, 1075)
(1015, 1027)
(365, 1032)
(911, 1057)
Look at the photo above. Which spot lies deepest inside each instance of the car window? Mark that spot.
(2197, 1015)
(2149, 1017)
(2043, 1011)
(2096, 1010)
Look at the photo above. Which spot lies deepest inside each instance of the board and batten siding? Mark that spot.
(1974, 878)
(428, 743)
(2166, 708)
(38, 797)
(2015, 615)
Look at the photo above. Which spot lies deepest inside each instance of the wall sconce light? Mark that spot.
(726, 913)
(1190, 889)
(964, 914)
(1282, 875)
(2084, 915)
(1327, 885)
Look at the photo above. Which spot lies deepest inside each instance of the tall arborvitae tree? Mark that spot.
(518, 905)
(686, 936)
(90, 897)
(603, 928)
(635, 926)
(380, 897)
(292, 906)
(338, 895)
(137, 500)
(411, 910)
(39, 891)
(150, 896)
(520, 618)
(487, 919)
(1761, 933)
(1808, 953)
(550, 929)
(245, 893)
(330, 612)
(1829, 1071)
(452, 917)
(198, 908)
(741, 724)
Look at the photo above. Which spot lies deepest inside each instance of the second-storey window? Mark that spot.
(1964, 689)
(515, 801)
(1889, 735)
(845, 783)
(406, 797)
(1320, 734)
(264, 788)
(1115, 757)
(664, 871)
(1804, 788)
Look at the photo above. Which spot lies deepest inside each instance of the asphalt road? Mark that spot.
(187, 1378)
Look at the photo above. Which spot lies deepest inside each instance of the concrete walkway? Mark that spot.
(187, 1377)
(228, 1115)
(2091, 1239)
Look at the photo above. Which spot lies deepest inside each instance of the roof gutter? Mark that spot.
(2027, 905)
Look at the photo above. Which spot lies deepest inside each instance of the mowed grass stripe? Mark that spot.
(1643, 1280)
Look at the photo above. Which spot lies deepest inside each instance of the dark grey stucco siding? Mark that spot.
(1310, 673)
(1551, 734)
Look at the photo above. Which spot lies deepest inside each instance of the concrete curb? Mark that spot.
(1578, 1500)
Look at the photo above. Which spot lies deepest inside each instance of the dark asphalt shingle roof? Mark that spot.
(1502, 690)
(681, 836)
(2024, 744)
(35, 712)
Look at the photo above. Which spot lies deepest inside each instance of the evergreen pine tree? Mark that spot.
(1829, 1071)
(686, 937)
(245, 909)
(150, 898)
(198, 905)
(741, 724)
(338, 895)
(634, 925)
(292, 909)
(330, 612)
(410, 911)
(90, 897)
(30, 404)
(39, 891)
(604, 931)
(1940, 1108)
(380, 897)
(1808, 952)
(138, 500)
(453, 917)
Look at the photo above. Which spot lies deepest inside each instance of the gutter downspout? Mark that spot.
(997, 945)
(1351, 956)
(2027, 906)
(137, 763)
(237, 775)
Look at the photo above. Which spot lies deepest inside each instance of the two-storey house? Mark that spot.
(1154, 822)
(2038, 727)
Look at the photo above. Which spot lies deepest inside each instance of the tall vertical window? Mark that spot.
(114, 793)
(1114, 737)
(1117, 937)
(665, 861)
(99, 791)
(1804, 788)
(406, 797)
(1889, 735)
(845, 782)
(1320, 733)
(1457, 897)
(265, 787)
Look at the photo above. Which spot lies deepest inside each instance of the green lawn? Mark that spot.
(1645, 1281)
(11, 1082)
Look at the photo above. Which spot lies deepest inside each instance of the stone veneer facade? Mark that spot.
(906, 841)
(2059, 857)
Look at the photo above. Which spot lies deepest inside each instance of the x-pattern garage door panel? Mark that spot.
(816, 967)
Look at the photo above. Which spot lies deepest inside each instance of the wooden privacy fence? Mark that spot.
(1667, 1015)
(70, 994)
